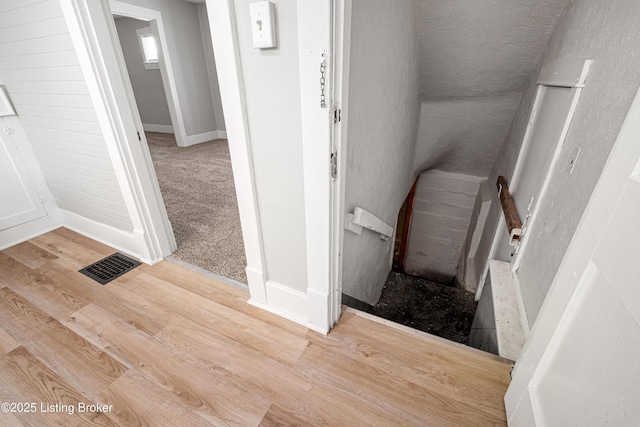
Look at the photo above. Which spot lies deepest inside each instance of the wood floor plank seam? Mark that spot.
(167, 346)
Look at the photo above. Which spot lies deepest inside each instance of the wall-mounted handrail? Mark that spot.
(360, 218)
(512, 219)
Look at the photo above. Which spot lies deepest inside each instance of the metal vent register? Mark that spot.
(109, 268)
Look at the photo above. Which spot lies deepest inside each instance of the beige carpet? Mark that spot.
(198, 190)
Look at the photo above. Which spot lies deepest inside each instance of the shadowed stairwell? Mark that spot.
(441, 310)
(199, 193)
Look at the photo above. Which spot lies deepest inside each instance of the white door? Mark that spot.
(552, 113)
(591, 374)
(19, 199)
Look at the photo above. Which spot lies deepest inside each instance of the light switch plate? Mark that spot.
(263, 28)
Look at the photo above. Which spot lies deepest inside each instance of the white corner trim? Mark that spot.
(290, 304)
(128, 243)
(188, 140)
(157, 128)
(23, 232)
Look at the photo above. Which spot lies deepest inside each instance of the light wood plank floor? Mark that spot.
(165, 346)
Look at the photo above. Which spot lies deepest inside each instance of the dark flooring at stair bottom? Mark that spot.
(428, 306)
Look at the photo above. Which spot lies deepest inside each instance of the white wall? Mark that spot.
(40, 68)
(381, 128)
(147, 84)
(272, 87)
(463, 135)
(604, 31)
(186, 50)
(442, 211)
(211, 66)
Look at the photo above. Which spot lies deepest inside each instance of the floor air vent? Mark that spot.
(109, 268)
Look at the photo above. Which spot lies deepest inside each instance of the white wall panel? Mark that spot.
(41, 72)
(442, 211)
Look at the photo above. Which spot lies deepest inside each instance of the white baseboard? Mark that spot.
(23, 232)
(318, 303)
(158, 128)
(256, 280)
(127, 243)
(188, 140)
(288, 303)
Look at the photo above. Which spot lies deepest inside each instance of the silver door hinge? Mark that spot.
(337, 114)
(334, 164)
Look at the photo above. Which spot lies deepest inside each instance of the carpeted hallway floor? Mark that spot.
(198, 190)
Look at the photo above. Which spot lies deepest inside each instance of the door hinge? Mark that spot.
(139, 137)
(337, 114)
(334, 164)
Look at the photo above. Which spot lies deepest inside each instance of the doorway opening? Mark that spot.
(421, 290)
(187, 142)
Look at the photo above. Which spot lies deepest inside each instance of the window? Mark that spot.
(149, 48)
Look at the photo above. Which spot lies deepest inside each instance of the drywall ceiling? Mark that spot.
(477, 48)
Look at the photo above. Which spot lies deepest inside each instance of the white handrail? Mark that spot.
(360, 218)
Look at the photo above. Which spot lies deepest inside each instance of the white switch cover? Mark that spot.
(263, 14)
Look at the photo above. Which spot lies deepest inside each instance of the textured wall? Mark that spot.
(147, 84)
(272, 85)
(475, 60)
(607, 32)
(474, 48)
(463, 136)
(382, 127)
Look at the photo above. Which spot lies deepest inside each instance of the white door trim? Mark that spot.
(564, 72)
(226, 51)
(92, 32)
(341, 35)
(166, 66)
(314, 41)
